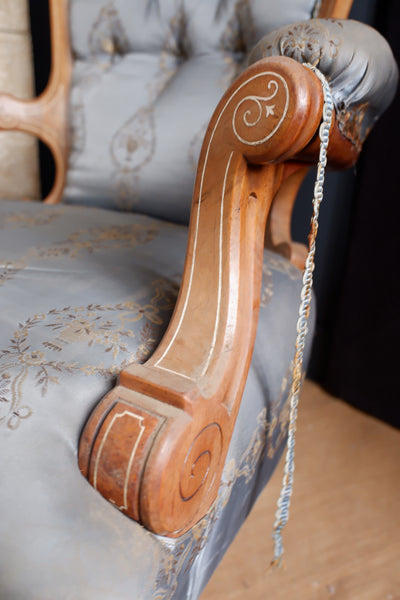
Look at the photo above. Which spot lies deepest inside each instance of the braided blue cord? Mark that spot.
(282, 513)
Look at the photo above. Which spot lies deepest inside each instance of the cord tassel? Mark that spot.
(283, 504)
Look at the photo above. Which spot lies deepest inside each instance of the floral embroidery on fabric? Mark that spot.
(277, 426)
(9, 269)
(351, 123)
(77, 123)
(132, 147)
(65, 331)
(133, 144)
(304, 42)
(26, 219)
(267, 438)
(237, 38)
(107, 41)
(177, 560)
(110, 237)
(99, 238)
(267, 290)
(278, 264)
(108, 35)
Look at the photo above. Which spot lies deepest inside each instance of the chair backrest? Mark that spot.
(147, 75)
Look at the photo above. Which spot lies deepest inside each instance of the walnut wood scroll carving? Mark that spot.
(156, 445)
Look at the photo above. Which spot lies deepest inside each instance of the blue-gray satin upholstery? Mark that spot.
(147, 77)
(84, 291)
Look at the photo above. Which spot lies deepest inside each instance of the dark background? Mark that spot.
(357, 284)
(363, 360)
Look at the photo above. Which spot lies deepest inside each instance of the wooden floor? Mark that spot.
(343, 537)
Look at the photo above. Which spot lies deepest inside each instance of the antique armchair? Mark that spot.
(90, 285)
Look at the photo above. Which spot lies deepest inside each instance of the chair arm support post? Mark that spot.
(156, 445)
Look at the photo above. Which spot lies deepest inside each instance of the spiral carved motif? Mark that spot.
(202, 458)
(256, 118)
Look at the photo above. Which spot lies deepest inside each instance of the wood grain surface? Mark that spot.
(343, 537)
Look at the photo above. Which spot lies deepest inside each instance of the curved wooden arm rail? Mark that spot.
(156, 445)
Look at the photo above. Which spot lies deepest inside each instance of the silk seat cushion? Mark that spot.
(84, 291)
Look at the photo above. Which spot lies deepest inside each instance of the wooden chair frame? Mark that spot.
(155, 446)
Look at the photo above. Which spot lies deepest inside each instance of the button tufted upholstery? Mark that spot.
(146, 81)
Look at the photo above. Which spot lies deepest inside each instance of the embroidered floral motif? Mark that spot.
(77, 122)
(105, 328)
(107, 41)
(237, 38)
(278, 264)
(132, 147)
(133, 144)
(99, 238)
(267, 437)
(26, 219)
(10, 269)
(277, 426)
(351, 123)
(178, 560)
(267, 290)
(304, 42)
(110, 237)
(108, 35)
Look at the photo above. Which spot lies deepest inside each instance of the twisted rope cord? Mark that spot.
(282, 513)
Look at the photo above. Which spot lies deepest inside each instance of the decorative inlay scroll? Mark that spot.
(138, 425)
(258, 110)
(137, 429)
(204, 454)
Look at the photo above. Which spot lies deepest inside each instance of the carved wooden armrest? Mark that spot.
(46, 116)
(155, 446)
